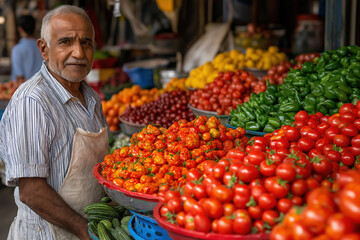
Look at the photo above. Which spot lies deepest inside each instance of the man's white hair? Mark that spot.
(62, 10)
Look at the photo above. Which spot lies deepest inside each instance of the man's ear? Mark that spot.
(43, 48)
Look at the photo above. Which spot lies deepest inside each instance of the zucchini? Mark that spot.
(115, 222)
(125, 224)
(105, 200)
(98, 217)
(111, 213)
(98, 206)
(122, 232)
(107, 223)
(103, 235)
(93, 228)
(115, 234)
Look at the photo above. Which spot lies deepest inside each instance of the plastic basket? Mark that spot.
(248, 133)
(199, 112)
(144, 227)
(138, 202)
(129, 128)
(178, 233)
(141, 72)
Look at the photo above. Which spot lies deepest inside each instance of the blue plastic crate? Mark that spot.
(143, 227)
(142, 72)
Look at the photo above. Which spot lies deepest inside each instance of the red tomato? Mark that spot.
(222, 193)
(180, 219)
(270, 217)
(299, 187)
(350, 130)
(199, 191)
(256, 157)
(174, 205)
(213, 208)
(322, 127)
(248, 173)
(306, 144)
(193, 174)
(300, 231)
(236, 153)
(218, 171)
(255, 212)
(281, 232)
(341, 140)
(242, 224)
(301, 116)
(347, 107)
(314, 218)
(278, 187)
(284, 205)
(331, 132)
(292, 134)
(225, 225)
(202, 223)
(267, 201)
(229, 209)
(350, 201)
(338, 225)
(286, 171)
(349, 117)
(267, 168)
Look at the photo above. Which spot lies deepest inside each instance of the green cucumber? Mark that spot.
(98, 206)
(107, 223)
(105, 200)
(103, 235)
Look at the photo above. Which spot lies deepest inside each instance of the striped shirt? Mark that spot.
(37, 130)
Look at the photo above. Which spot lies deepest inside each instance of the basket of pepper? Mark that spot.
(135, 201)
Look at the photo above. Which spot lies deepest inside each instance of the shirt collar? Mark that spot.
(62, 93)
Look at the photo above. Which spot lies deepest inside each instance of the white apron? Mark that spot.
(80, 188)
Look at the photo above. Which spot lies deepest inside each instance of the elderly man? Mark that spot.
(53, 132)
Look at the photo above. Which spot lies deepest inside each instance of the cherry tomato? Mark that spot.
(338, 225)
(202, 223)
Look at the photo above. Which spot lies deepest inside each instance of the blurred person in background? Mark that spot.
(25, 56)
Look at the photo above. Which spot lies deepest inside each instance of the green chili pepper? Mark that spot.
(355, 100)
(310, 108)
(348, 90)
(335, 57)
(320, 99)
(308, 67)
(275, 122)
(291, 115)
(289, 107)
(330, 104)
(333, 111)
(300, 81)
(281, 116)
(330, 94)
(339, 104)
(314, 77)
(345, 62)
(253, 126)
(321, 108)
(342, 51)
(304, 91)
(288, 122)
(332, 65)
(261, 119)
(341, 95)
(269, 128)
(318, 90)
(249, 113)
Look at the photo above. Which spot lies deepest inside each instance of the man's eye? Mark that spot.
(65, 41)
(86, 43)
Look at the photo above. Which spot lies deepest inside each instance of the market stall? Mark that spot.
(268, 163)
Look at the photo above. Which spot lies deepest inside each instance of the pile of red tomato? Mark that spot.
(159, 159)
(227, 91)
(251, 189)
(329, 214)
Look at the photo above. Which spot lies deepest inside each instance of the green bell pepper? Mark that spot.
(253, 126)
(292, 106)
(269, 128)
(341, 95)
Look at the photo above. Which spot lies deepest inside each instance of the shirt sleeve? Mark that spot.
(27, 140)
(16, 63)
